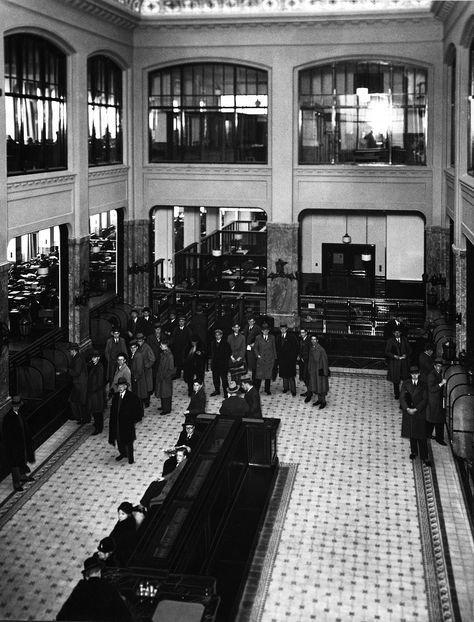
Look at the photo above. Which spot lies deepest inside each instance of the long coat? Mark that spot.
(252, 397)
(96, 388)
(318, 360)
(165, 374)
(398, 369)
(197, 403)
(180, 342)
(194, 364)
(237, 345)
(265, 351)
(17, 440)
(120, 372)
(287, 349)
(234, 406)
(112, 350)
(435, 412)
(137, 369)
(78, 372)
(411, 396)
(250, 335)
(148, 360)
(122, 420)
(220, 354)
(425, 363)
(303, 358)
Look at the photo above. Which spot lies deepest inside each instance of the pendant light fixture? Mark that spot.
(346, 238)
(366, 256)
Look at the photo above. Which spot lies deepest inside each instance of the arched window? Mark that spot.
(209, 112)
(362, 112)
(104, 96)
(35, 102)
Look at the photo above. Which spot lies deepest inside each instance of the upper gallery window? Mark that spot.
(359, 112)
(35, 102)
(104, 96)
(470, 154)
(209, 112)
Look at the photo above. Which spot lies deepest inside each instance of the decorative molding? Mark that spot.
(104, 171)
(118, 12)
(467, 189)
(28, 183)
(364, 171)
(442, 10)
(217, 170)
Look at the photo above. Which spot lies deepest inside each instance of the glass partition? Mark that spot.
(103, 254)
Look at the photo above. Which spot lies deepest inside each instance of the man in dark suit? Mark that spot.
(252, 397)
(397, 354)
(133, 326)
(17, 444)
(413, 400)
(303, 358)
(220, 355)
(78, 397)
(188, 438)
(426, 360)
(114, 346)
(287, 352)
(197, 403)
(435, 411)
(234, 405)
(395, 323)
(180, 344)
(146, 322)
(125, 410)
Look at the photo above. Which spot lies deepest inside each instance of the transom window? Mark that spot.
(104, 92)
(35, 102)
(210, 112)
(362, 112)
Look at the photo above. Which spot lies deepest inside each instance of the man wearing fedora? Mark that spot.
(265, 351)
(435, 411)
(413, 400)
(96, 392)
(18, 444)
(252, 397)
(234, 405)
(78, 397)
(125, 410)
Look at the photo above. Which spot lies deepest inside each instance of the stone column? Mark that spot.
(192, 226)
(78, 275)
(4, 376)
(461, 304)
(437, 255)
(282, 285)
(213, 221)
(136, 251)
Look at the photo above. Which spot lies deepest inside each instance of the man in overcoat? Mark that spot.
(303, 357)
(137, 371)
(397, 354)
(197, 403)
(114, 345)
(125, 411)
(180, 344)
(154, 341)
(435, 411)
(234, 405)
(148, 360)
(17, 444)
(252, 397)
(414, 400)
(250, 333)
(426, 361)
(96, 392)
(287, 350)
(318, 372)
(164, 377)
(78, 397)
(220, 355)
(265, 351)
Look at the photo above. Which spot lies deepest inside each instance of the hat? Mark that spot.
(133, 342)
(414, 369)
(146, 309)
(93, 563)
(233, 387)
(140, 336)
(134, 311)
(189, 421)
(126, 507)
(17, 401)
(73, 346)
(438, 361)
(106, 545)
(247, 380)
(284, 325)
(95, 353)
(122, 380)
(218, 330)
(156, 325)
(265, 326)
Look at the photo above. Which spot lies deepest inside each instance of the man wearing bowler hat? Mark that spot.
(413, 400)
(18, 444)
(125, 410)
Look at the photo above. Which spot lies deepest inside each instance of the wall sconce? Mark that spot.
(346, 238)
(95, 248)
(83, 299)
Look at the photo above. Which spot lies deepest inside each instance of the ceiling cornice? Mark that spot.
(114, 12)
(442, 9)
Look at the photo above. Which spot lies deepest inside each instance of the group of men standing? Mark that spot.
(420, 389)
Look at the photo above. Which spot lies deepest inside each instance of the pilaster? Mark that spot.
(437, 252)
(78, 278)
(461, 296)
(282, 266)
(137, 251)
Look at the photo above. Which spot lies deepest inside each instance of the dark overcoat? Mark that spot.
(95, 600)
(287, 350)
(122, 421)
(318, 370)
(303, 358)
(411, 396)
(78, 372)
(220, 354)
(252, 397)
(398, 369)
(435, 411)
(197, 403)
(148, 360)
(425, 363)
(180, 342)
(265, 351)
(138, 372)
(165, 374)
(237, 345)
(250, 334)
(194, 364)
(96, 388)
(234, 406)
(17, 440)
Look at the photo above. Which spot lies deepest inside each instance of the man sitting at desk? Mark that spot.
(157, 491)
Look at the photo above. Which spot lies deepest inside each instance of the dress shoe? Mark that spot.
(316, 403)
(95, 432)
(412, 456)
(321, 406)
(293, 394)
(307, 399)
(285, 390)
(120, 457)
(18, 488)
(427, 463)
(214, 393)
(131, 461)
(165, 412)
(441, 442)
(268, 392)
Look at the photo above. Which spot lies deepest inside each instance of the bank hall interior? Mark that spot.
(304, 163)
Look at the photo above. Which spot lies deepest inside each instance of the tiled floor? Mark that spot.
(350, 545)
